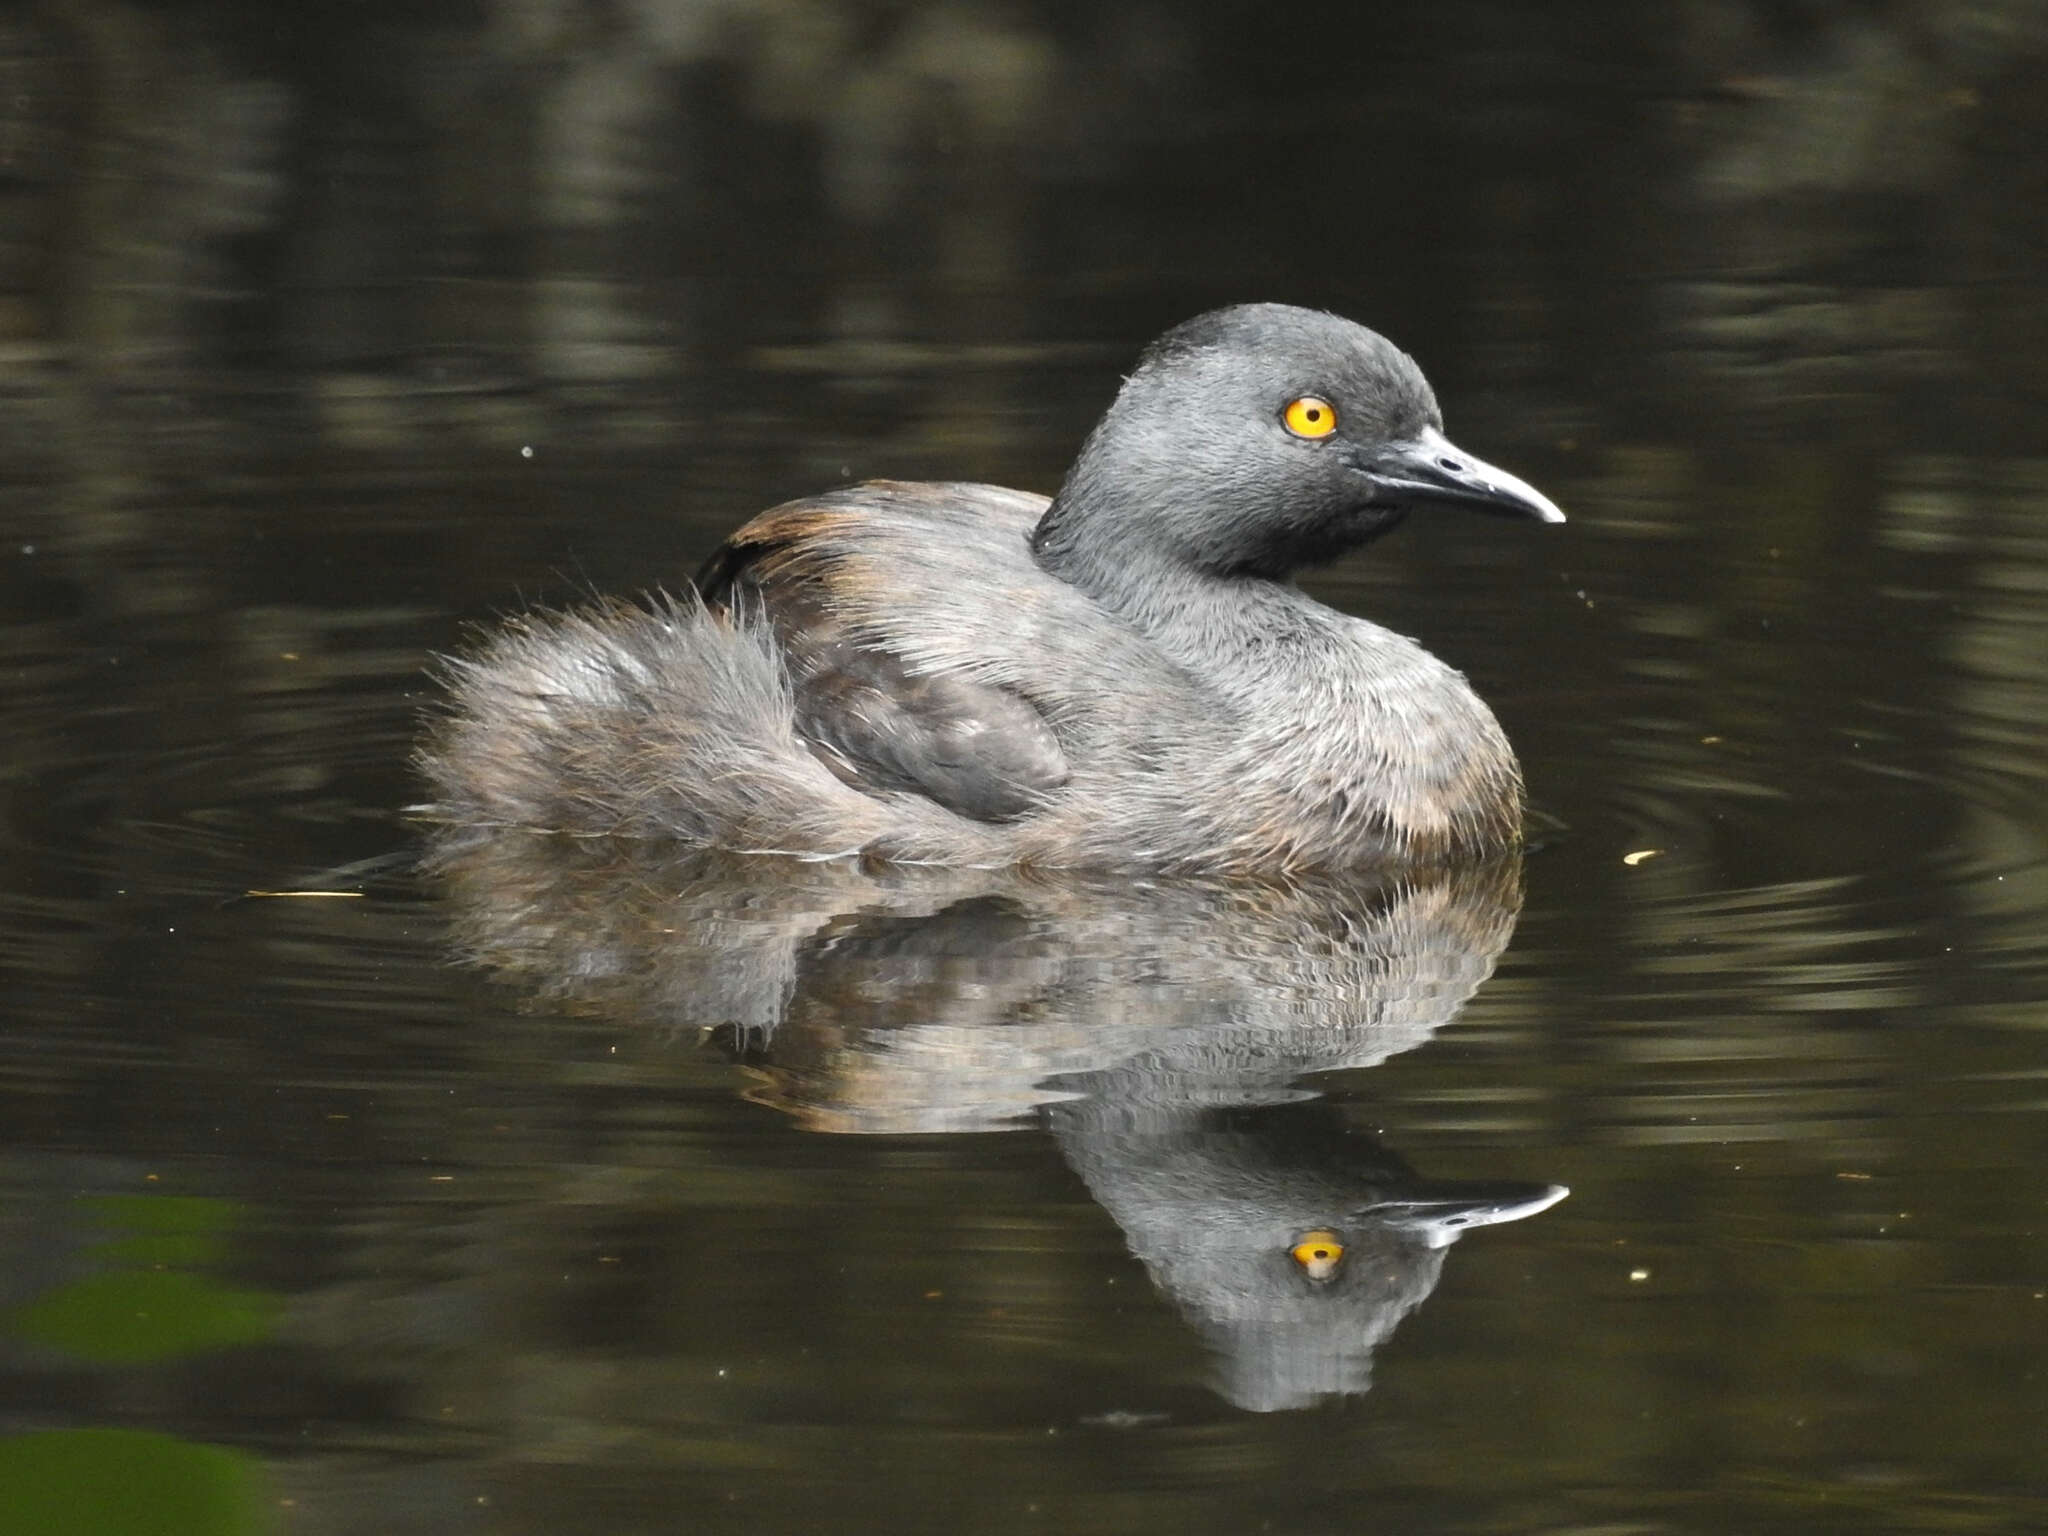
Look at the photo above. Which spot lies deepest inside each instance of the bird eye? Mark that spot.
(1309, 416)
(1318, 1253)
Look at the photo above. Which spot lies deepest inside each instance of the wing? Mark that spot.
(978, 748)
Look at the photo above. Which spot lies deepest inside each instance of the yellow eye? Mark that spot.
(1310, 417)
(1318, 1253)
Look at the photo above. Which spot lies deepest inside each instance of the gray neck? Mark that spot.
(1354, 739)
(1142, 557)
(1161, 596)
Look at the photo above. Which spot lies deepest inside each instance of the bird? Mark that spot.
(1122, 677)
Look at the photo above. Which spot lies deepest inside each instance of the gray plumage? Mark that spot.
(1123, 677)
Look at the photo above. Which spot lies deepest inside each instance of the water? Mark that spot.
(351, 1183)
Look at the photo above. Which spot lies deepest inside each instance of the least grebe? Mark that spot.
(1123, 677)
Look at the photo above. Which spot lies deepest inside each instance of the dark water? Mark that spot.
(553, 1190)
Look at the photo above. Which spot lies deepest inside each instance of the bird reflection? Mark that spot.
(1160, 1032)
(1292, 1243)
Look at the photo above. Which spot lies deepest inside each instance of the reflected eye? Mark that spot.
(1318, 1253)
(1309, 416)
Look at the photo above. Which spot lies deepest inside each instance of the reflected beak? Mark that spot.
(1440, 1210)
(1429, 467)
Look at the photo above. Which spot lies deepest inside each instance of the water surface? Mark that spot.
(352, 1183)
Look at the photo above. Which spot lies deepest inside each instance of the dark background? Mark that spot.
(326, 329)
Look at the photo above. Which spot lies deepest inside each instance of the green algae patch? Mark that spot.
(141, 1316)
(149, 1297)
(127, 1482)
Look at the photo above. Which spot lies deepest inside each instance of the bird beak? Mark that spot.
(1430, 467)
(1439, 1210)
